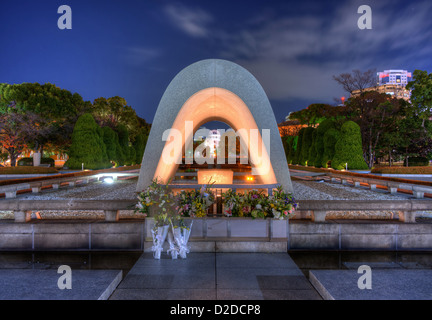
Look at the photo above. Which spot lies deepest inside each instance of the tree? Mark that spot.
(16, 128)
(109, 138)
(357, 80)
(376, 114)
(87, 145)
(114, 111)
(348, 149)
(123, 134)
(414, 135)
(55, 108)
(316, 113)
(421, 93)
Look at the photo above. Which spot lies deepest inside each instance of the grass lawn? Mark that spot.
(27, 170)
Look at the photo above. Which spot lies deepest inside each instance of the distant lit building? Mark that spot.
(211, 139)
(394, 77)
(392, 82)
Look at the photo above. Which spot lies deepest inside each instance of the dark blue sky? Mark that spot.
(134, 48)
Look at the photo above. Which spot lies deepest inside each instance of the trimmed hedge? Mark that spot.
(417, 162)
(319, 142)
(297, 153)
(348, 149)
(306, 144)
(87, 145)
(292, 149)
(330, 139)
(403, 170)
(26, 170)
(312, 150)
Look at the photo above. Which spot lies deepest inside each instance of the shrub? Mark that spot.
(139, 145)
(297, 152)
(330, 138)
(403, 170)
(312, 150)
(306, 143)
(287, 142)
(292, 149)
(319, 142)
(417, 162)
(348, 149)
(87, 145)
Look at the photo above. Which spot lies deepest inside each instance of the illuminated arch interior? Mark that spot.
(218, 104)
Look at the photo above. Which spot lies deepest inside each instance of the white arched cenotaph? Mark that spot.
(210, 90)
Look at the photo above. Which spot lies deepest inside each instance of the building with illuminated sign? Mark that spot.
(392, 82)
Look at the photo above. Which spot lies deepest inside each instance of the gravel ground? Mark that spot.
(312, 190)
(125, 189)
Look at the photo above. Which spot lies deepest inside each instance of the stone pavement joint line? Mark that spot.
(216, 276)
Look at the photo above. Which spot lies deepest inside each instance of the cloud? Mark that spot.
(192, 21)
(294, 54)
(138, 56)
(295, 57)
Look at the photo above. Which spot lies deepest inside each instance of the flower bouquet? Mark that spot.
(281, 204)
(195, 203)
(159, 202)
(247, 204)
(256, 204)
(180, 233)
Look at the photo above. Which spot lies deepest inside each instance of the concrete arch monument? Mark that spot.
(211, 90)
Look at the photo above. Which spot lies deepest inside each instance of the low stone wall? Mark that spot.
(359, 235)
(217, 235)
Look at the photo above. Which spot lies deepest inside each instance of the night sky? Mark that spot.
(134, 48)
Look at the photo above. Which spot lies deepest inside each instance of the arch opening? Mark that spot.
(215, 104)
(214, 90)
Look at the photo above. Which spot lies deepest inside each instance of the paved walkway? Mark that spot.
(216, 276)
(385, 284)
(36, 284)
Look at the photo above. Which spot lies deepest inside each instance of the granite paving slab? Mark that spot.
(386, 284)
(216, 276)
(37, 284)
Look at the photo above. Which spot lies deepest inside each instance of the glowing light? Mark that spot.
(250, 178)
(108, 180)
(217, 176)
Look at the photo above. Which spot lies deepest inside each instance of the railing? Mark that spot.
(418, 189)
(318, 209)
